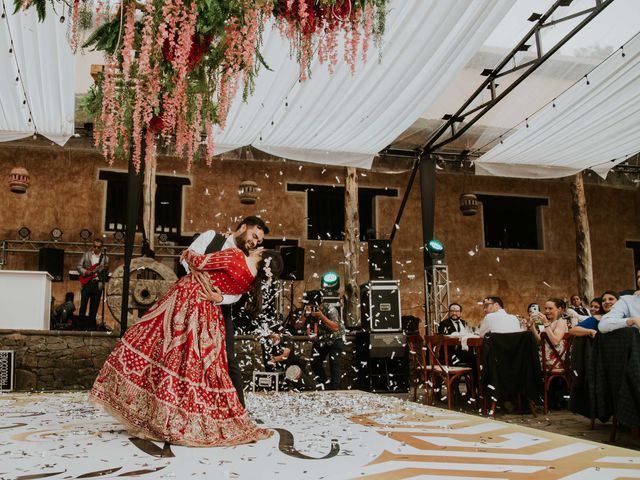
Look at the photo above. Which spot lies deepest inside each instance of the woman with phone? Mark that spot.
(552, 323)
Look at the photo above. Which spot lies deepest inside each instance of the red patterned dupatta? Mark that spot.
(167, 378)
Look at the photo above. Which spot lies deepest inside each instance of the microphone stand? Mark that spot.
(103, 278)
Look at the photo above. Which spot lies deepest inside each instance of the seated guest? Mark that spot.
(625, 313)
(555, 325)
(576, 305)
(589, 326)
(553, 322)
(595, 307)
(454, 325)
(496, 319)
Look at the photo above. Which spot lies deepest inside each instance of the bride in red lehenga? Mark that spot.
(167, 378)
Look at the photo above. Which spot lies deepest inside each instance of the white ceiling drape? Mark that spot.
(594, 124)
(342, 119)
(36, 77)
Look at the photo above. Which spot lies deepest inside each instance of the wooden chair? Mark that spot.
(510, 370)
(417, 365)
(437, 372)
(555, 365)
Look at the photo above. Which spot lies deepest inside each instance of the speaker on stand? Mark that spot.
(52, 260)
(292, 271)
(380, 260)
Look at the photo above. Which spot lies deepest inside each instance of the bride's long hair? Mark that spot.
(269, 270)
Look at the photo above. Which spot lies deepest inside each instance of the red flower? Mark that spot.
(199, 46)
(156, 124)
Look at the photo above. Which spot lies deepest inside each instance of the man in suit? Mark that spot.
(455, 325)
(248, 235)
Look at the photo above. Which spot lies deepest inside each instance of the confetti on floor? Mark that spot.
(319, 435)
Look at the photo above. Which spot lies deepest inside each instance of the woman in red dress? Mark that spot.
(167, 378)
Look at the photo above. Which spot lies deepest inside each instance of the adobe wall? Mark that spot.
(65, 192)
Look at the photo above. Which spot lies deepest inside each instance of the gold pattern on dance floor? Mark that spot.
(336, 435)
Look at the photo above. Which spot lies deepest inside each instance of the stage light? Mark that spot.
(118, 235)
(85, 234)
(435, 249)
(163, 238)
(330, 281)
(24, 233)
(56, 234)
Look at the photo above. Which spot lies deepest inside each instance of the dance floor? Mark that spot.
(334, 435)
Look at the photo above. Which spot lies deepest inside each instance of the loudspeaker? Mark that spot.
(380, 262)
(382, 362)
(7, 370)
(380, 306)
(293, 259)
(52, 260)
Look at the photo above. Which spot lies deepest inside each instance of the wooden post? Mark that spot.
(351, 249)
(583, 240)
(149, 200)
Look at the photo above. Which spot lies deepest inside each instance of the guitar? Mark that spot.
(91, 272)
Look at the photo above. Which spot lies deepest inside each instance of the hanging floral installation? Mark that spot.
(172, 67)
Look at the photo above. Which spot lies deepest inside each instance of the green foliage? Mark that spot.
(91, 103)
(40, 6)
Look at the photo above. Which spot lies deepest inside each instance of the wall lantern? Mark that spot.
(468, 204)
(248, 192)
(19, 180)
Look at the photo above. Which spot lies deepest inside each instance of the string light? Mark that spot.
(18, 78)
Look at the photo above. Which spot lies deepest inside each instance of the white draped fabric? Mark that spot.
(342, 119)
(36, 77)
(594, 124)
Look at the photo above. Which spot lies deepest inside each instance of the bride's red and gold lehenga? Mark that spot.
(167, 378)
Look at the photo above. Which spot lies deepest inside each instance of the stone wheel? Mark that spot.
(148, 282)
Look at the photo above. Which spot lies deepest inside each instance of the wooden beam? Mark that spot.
(351, 249)
(584, 267)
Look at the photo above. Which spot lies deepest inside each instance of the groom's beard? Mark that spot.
(241, 243)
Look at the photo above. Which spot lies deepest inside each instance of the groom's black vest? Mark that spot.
(215, 246)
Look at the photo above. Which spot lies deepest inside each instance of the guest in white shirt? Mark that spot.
(496, 319)
(625, 313)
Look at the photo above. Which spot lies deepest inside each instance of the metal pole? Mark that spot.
(134, 189)
(428, 201)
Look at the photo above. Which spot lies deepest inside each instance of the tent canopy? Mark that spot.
(430, 61)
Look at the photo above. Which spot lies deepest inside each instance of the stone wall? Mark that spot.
(64, 360)
(56, 360)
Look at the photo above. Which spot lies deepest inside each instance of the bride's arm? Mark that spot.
(212, 261)
(209, 291)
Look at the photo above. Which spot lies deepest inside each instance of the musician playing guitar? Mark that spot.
(93, 266)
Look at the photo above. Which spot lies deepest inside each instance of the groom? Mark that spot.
(248, 235)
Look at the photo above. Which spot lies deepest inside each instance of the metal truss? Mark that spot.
(470, 115)
(437, 286)
(162, 250)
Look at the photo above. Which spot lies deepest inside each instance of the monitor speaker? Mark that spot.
(293, 259)
(380, 262)
(52, 260)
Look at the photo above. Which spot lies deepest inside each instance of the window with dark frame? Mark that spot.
(325, 210)
(512, 222)
(168, 207)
